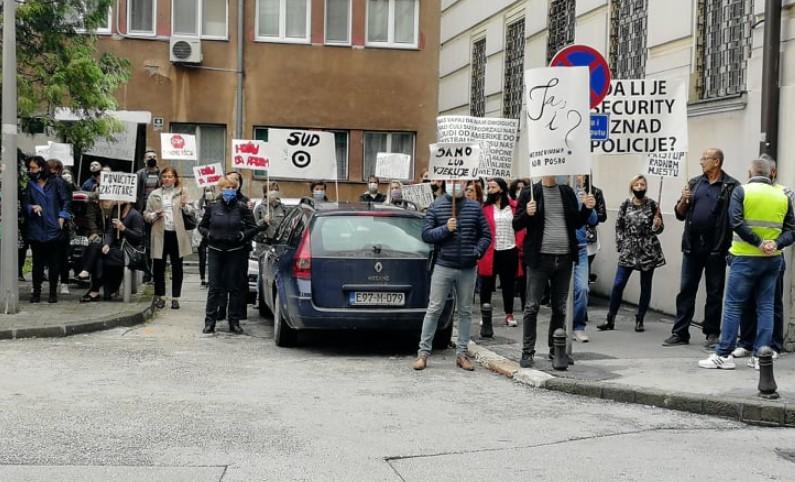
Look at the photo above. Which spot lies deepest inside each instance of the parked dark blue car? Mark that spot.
(349, 267)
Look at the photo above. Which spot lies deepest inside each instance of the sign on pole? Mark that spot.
(393, 166)
(208, 175)
(118, 186)
(600, 127)
(558, 121)
(56, 150)
(120, 146)
(178, 147)
(496, 137)
(421, 195)
(249, 155)
(598, 68)
(303, 155)
(666, 164)
(646, 116)
(453, 161)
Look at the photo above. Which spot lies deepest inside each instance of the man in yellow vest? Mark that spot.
(762, 219)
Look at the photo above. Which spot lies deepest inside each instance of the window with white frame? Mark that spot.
(395, 142)
(393, 23)
(89, 7)
(723, 47)
(283, 20)
(341, 142)
(199, 18)
(210, 144)
(141, 17)
(338, 22)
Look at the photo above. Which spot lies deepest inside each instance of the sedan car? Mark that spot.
(354, 267)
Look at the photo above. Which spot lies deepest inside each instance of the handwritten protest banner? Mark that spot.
(393, 166)
(118, 186)
(558, 121)
(57, 150)
(208, 175)
(249, 155)
(496, 137)
(304, 155)
(421, 195)
(666, 164)
(178, 147)
(452, 161)
(646, 116)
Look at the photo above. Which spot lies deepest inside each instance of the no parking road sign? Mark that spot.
(585, 56)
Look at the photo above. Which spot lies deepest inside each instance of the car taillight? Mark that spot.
(302, 264)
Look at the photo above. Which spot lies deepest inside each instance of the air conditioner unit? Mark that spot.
(185, 50)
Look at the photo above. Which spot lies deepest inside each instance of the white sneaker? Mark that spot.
(753, 362)
(64, 289)
(740, 352)
(580, 336)
(719, 362)
(775, 355)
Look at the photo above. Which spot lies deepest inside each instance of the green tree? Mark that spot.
(58, 66)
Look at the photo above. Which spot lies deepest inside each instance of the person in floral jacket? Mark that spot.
(638, 224)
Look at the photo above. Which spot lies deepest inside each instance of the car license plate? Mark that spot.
(80, 241)
(377, 298)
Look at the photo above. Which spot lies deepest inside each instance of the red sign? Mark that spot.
(249, 155)
(585, 56)
(177, 142)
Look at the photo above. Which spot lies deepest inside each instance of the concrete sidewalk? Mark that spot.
(69, 316)
(634, 367)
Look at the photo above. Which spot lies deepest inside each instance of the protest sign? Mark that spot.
(558, 121)
(57, 150)
(421, 195)
(646, 116)
(304, 155)
(393, 166)
(452, 161)
(118, 186)
(121, 145)
(249, 155)
(178, 147)
(496, 137)
(208, 175)
(666, 164)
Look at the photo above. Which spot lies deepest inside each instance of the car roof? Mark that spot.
(337, 209)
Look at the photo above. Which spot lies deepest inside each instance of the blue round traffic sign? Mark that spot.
(585, 56)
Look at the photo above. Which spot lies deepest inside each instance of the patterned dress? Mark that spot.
(636, 238)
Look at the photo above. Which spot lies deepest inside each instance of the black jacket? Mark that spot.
(576, 217)
(367, 198)
(723, 233)
(228, 227)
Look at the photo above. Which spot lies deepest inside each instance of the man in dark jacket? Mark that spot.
(148, 180)
(703, 207)
(551, 216)
(461, 238)
(372, 195)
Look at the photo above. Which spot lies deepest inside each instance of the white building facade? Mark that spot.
(715, 45)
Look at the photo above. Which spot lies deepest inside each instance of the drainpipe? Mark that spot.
(239, 93)
(771, 59)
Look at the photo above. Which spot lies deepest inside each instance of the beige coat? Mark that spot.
(154, 204)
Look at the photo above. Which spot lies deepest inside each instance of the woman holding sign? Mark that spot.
(638, 224)
(165, 211)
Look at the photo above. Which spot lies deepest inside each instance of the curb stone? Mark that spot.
(62, 330)
(752, 412)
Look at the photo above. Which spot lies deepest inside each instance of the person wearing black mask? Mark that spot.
(638, 224)
(148, 179)
(439, 188)
(229, 228)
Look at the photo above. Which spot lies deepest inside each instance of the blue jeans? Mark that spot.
(443, 281)
(580, 315)
(750, 278)
(748, 323)
(620, 282)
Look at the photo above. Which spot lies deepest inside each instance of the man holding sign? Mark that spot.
(461, 235)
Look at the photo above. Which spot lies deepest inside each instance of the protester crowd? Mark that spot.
(534, 237)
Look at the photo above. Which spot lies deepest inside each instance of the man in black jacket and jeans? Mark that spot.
(706, 239)
(552, 217)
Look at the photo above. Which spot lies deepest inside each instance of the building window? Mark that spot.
(514, 71)
(210, 144)
(723, 46)
(560, 26)
(394, 142)
(477, 89)
(141, 17)
(341, 140)
(89, 7)
(283, 20)
(628, 28)
(199, 18)
(338, 22)
(393, 23)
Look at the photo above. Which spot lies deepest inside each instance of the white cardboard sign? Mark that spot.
(120, 146)
(421, 195)
(303, 155)
(208, 175)
(118, 186)
(393, 166)
(249, 155)
(57, 150)
(178, 147)
(646, 116)
(666, 164)
(453, 161)
(558, 121)
(497, 138)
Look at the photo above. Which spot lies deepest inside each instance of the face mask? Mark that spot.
(397, 195)
(434, 188)
(491, 198)
(373, 187)
(229, 195)
(34, 176)
(639, 194)
(151, 163)
(208, 195)
(458, 190)
(319, 195)
(67, 178)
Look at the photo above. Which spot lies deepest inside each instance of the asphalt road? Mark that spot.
(164, 402)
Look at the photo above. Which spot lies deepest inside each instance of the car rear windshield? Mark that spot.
(365, 235)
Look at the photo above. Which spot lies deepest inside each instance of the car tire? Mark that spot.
(262, 307)
(283, 334)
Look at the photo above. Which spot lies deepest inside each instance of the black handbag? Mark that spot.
(189, 220)
(134, 258)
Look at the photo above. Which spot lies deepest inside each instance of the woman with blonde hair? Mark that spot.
(638, 224)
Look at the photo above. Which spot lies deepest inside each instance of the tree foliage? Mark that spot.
(58, 66)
